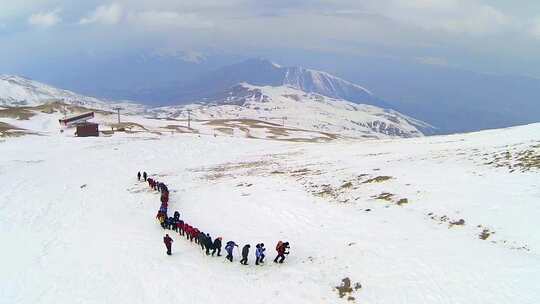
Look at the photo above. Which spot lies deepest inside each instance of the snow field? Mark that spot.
(101, 243)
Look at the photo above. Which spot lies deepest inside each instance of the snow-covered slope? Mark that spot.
(19, 91)
(313, 81)
(432, 220)
(298, 109)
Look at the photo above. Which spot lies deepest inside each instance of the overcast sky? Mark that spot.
(499, 36)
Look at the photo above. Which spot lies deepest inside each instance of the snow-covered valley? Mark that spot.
(445, 219)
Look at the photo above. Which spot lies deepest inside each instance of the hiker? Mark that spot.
(229, 248)
(187, 230)
(245, 253)
(168, 242)
(281, 249)
(169, 222)
(194, 234)
(174, 224)
(139, 176)
(216, 246)
(161, 218)
(208, 244)
(180, 226)
(201, 237)
(259, 254)
(144, 176)
(164, 198)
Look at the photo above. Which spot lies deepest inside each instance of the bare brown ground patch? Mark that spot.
(276, 131)
(180, 129)
(346, 289)
(378, 179)
(17, 113)
(123, 126)
(234, 169)
(521, 161)
(25, 112)
(7, 130)
(226, 131)
(402, 202)
(385, 196)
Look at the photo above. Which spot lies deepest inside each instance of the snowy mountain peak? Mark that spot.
(262, 72)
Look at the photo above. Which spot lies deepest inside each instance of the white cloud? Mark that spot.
(167, 20)
(452, 16)
(45, 19)
(104, 14)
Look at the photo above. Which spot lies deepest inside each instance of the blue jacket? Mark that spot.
(259, 252)
(230, 246)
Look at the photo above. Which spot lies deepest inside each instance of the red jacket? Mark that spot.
(167, 240)
(280, 248)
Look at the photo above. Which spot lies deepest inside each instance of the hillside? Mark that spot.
(16, 91)
(296, 108)
(76, 226)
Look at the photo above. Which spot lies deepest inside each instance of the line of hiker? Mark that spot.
(204, 240)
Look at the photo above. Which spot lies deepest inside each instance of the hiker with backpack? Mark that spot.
(259, 254)
(144, 176)
(245, 253)
(194, 234)
(216, 246)
(229, 248)
(201, 239)
(208, 244)
(139, 176)
(168, 243)
(281, 249)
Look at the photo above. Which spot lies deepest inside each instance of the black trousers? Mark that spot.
(169, 250)
(229, 256)
(244, 260)
(218, 251)
(281, 258)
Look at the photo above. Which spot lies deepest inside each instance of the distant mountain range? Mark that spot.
(283, 104)
(449, 99)
(261, 72)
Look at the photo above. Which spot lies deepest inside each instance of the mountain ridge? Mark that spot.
(262, 72)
